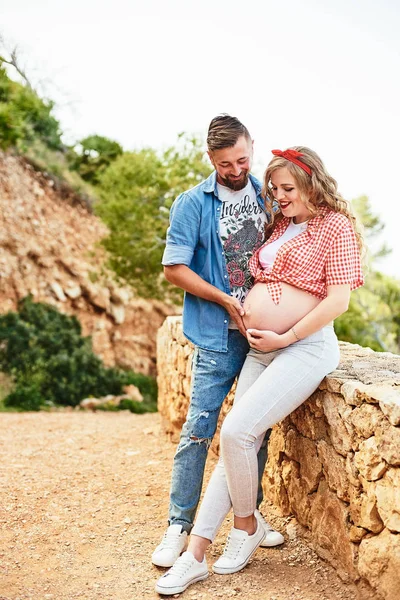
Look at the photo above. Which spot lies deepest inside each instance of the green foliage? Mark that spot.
(92, 155)
(370, 320)
(138, 407)
(25, 117)
(51, 363)
(6, 387)
(136, 192)
(373, 226)
(26, 396)
(373, 317)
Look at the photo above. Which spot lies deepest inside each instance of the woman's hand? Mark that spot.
(265, 340)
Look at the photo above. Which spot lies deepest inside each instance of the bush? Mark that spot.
(53, 364)
(25, 397)
(92, 155)
(25, 117)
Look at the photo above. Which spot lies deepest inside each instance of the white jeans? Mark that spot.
(271, 386)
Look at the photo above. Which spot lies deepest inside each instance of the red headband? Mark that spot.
(293, 156)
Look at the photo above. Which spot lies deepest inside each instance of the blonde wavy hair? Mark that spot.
(319, 189)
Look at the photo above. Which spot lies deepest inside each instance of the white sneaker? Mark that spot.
(272, 537)
(185, 571)
(240, 547)
(174, 542)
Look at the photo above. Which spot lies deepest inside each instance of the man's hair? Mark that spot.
(224, 131)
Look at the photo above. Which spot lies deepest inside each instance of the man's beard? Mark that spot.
(236, 184)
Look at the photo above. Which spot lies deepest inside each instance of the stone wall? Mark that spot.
(334, 463)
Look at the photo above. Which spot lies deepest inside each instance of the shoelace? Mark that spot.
(181, 565)
(170, 540)
(265, 524)
(232, 547)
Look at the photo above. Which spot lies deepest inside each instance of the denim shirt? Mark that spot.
(193, 240)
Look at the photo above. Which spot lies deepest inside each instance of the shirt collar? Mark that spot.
(313, 223)
(316, 221)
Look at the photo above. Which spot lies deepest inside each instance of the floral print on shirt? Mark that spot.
(244, 235)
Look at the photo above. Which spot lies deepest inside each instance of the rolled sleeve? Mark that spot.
(177, 255)
(344, 263)
(183, 232)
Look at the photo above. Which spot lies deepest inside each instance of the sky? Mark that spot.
(319, 73)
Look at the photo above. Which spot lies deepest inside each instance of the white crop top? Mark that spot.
(268, 253)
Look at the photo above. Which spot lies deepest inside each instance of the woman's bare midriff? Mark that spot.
(262, 313)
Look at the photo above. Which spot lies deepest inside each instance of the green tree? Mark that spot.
(136, 192)
(373, 317)
(24, 116)
(92, 155)
(373, 228)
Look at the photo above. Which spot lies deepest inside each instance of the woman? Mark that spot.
(303, 277)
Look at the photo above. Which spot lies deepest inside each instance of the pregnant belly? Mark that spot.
(262, 313)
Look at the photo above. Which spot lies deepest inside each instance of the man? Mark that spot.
(214, 229)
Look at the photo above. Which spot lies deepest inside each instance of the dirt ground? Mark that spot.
(83, 503)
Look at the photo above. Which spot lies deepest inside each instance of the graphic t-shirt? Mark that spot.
(242, 223)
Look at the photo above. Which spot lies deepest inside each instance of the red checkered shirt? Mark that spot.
(326, 253)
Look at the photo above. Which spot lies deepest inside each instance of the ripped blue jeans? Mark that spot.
(213, 374)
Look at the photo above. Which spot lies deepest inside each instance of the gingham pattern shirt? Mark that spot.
(326, 253)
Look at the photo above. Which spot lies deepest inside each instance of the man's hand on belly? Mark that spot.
(236, 312)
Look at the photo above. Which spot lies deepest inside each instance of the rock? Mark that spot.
(334, 468)
(341, 430)
(90, 404)
(366, 419)
(387, 492)
(328, 520)
(388, 444)
(291, 531)
(379, 563)
(97, 295)
(37, 190)
(118, 313)
(309, 419)
(45, 261)
(352, 471)
(369, 461)
(34, 251)
(120, 295)
(133, 393)
(298, 498)
(356, 392)
(273, 485)
(363, 508)
(387, 396)
(390, 405)
(58, 291)
(73, 291)
(304, 452)
(356, 534)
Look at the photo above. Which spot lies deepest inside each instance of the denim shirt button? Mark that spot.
(225, 276)
(225, 321)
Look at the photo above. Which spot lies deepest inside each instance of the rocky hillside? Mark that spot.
(49, 248)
